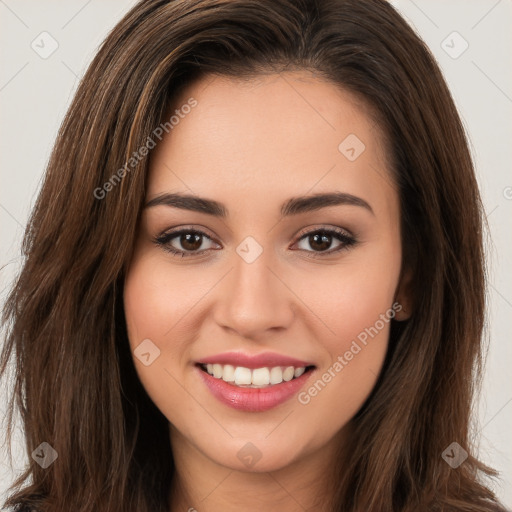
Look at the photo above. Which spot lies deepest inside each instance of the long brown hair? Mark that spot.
(75, 384)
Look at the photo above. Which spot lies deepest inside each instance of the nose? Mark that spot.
(254, 299)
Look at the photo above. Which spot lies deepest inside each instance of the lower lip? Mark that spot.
(253, 399)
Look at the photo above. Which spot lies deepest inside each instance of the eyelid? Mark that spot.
(347, 240)
(337, 229)
(166, 236)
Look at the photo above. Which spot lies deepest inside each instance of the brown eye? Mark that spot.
(190, 242)
(185, 242)
(320, 241)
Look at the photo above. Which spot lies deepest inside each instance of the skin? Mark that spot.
(253, 145)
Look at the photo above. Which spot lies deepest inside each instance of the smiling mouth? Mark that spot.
(264, 377)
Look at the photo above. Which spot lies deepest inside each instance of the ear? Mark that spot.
(404, 296)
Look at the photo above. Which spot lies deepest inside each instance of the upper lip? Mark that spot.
(265, 359)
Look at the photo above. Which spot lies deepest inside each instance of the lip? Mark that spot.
(265, 359)
(253, 399)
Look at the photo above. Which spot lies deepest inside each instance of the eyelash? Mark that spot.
(164, 240)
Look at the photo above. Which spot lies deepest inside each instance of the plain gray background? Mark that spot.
(469, 38)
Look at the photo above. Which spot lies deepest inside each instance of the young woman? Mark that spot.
(254, 275)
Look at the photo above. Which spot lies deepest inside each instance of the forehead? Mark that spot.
(270, 137)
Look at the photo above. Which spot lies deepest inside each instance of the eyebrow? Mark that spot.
(293, 206)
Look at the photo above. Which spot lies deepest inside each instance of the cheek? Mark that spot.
(158, 300)
(352, 299)
(162, 303)
(156, 308)
(355, 303)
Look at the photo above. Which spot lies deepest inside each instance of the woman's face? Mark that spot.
(267, 282)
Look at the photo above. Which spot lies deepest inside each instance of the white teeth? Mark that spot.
(217, 371)
(259, 377)
(299, 371)
(276, 375)
(228, 373)
(242, 375)
(288, 373)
